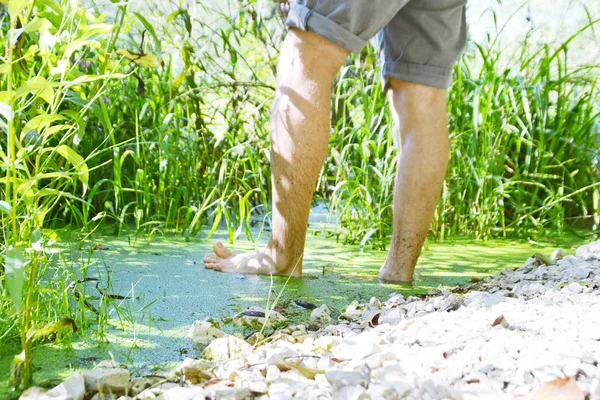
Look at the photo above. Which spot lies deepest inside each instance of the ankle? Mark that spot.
(285, 262)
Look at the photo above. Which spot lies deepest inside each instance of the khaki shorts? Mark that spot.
(418, 40)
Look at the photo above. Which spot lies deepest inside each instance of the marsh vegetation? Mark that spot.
(158, 124)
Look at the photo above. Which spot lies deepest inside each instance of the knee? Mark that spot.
(419, 110)
(409, 96)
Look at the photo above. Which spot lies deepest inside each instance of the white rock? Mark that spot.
(375, 303)
(226, 348)
(591, 249)
(575, 287)
(273, 373)
(184, 393)
(156, 391)
(196, 371)
(71, 389)
(226, 393)
(106, 380)
(258, 387)
(355, 392)
(33, 393)
(204, 332)
(339, 378)
(352, 312)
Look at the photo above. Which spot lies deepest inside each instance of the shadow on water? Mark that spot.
(171, 289)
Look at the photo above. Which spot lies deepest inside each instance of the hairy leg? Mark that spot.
(420, 113)
(300, 124)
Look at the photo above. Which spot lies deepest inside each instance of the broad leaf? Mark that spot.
(15, 7)
(14, 268)
(6, 112)
(41, 86)
(5, 207)
(41, 121)
(150, 29)
(38, 25)
(77, 161)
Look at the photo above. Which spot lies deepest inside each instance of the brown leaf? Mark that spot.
(501, 320)
(375, 320)
(560, 388)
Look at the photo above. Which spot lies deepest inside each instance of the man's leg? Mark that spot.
(420, 113)
(300, 128)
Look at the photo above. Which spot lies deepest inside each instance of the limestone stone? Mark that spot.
(71, 389)
(320, 316)
(226, 348)
(204, 332)
(106, 380)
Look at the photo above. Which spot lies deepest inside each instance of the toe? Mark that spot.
(221, 251)
(210, 260)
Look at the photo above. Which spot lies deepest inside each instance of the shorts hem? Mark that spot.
(428, 75)
(306, 19)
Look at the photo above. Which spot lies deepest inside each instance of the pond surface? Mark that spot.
(171, 289)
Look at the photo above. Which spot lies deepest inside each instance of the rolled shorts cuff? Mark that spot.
(429, 75)
(304, 18)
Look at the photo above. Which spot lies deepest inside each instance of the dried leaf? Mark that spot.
(560, 388)
(308, 373)
(543, 259)
(375, 320)
(501, 320)
(50, 331)
(143, 60)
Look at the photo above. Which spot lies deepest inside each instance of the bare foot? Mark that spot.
(389, 274)
(258, 262)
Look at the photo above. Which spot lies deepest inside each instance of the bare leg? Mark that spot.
(300, 128)
(420, 112)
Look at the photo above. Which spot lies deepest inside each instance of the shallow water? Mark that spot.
(172, 289)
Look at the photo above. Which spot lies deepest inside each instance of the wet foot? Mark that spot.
(258, 262)
(388, 274)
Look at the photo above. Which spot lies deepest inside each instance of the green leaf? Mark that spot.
(41, 121)
(41, 86)
(77, 161)
(150, 29)
(14, 268)
(186, 19)
(38, 25)
(15, 7)
(5, 207)
(6, 112)
(96, 30)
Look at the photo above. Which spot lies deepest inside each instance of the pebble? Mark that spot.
(106, 380)
(203, 332)
(71, 389)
